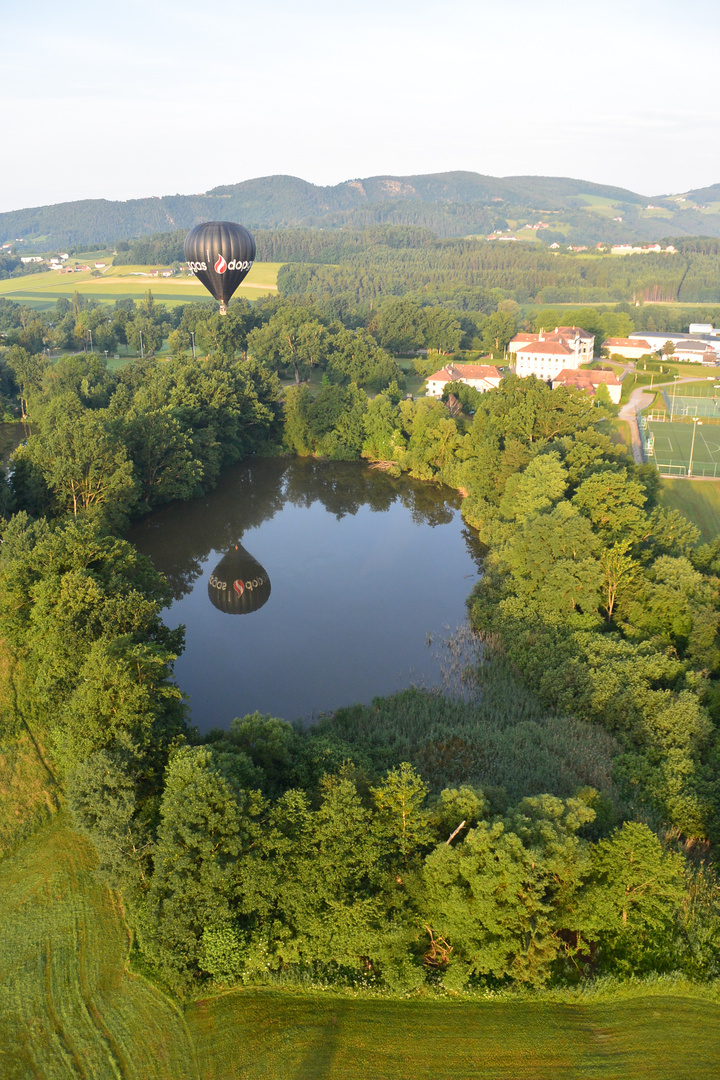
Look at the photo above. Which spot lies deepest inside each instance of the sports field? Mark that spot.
(119, 282)
(671, 447)
(700, 398)
(71, 1008)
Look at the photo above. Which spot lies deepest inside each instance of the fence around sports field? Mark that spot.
(669, 443)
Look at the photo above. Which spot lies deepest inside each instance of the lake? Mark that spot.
(305, 585)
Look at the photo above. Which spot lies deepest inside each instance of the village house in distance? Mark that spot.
(481, 377)
(547, 353)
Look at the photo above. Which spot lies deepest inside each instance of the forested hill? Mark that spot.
(451, 204)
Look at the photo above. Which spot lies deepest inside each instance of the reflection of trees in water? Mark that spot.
(179, 538)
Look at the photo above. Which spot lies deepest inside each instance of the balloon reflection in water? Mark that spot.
(239, 585)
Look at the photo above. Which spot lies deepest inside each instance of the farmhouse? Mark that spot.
(628, 348)
(481, 377)
(589, 381)
(545, 355)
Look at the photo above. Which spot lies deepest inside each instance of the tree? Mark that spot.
(199, 839)
(498, 332)
(356, 357)
(633, 894)
(29, 372)
(444, 332)
(400, 326)
(84, 464)
(292, 338)
(162, 457)
(614, 503)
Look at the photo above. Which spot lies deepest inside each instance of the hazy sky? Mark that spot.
(151, 97)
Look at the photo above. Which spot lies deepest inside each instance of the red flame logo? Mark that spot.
(220, 266)
(239, 585)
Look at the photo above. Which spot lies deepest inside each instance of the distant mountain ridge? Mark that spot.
(451, 203)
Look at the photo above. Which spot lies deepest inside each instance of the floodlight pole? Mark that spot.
(696, 421)
(672, 411)
(192, 335)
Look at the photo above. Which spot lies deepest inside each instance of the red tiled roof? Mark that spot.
(546, 346)
(573, 331)
(624, 343)
(569, 376)
(474, 371)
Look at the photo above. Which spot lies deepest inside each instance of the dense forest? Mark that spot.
(450, 204)
(356, 268)
(553, 823)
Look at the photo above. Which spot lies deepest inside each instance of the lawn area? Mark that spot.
(119, 282)
(698, 500)
(253, 1035)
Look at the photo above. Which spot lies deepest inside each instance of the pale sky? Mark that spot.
(150, 97)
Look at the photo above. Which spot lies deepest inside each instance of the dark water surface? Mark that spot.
(11, 435)
(357, 572)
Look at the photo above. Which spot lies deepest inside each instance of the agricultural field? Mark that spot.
(119, 282)
(73, 1008)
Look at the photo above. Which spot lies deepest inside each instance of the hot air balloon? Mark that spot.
(220, 254)
(239, 585)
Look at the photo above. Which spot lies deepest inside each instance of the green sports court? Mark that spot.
(670, 445)
(693, 399)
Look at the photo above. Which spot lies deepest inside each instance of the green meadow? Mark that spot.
(118, 282)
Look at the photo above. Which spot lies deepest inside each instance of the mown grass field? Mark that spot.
(119, 282)
(698, 500)
(254, 1035)
(70, 1008)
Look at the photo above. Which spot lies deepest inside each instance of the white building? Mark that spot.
(481, 377)
(657, 339)
(693, 351)
(628, 348)
(545, 355)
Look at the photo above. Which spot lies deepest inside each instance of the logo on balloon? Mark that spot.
(220, 266)
(239, 586)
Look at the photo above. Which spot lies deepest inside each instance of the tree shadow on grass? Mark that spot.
(320, 1055)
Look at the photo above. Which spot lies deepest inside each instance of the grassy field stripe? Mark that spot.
(120, 1066)
(69, 1053)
